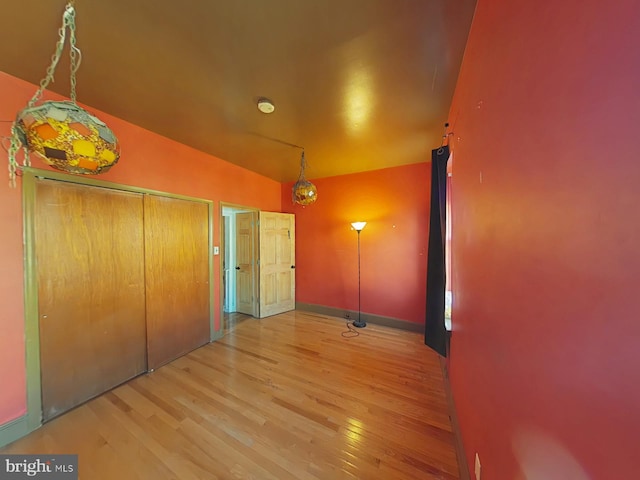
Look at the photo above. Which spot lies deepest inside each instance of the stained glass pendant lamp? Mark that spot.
(304, 192)
(61, 133)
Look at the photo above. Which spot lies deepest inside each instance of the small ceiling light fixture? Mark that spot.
(304, 192)
(63, 134)
(265, 105)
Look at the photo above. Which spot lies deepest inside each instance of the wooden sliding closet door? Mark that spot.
(177, 277)
(89, 250)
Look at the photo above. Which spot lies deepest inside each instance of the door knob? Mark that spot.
(237, 268)
(293, 266)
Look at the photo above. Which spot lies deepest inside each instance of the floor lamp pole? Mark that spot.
(359, 323)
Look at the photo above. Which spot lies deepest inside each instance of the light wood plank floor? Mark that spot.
(282, 398)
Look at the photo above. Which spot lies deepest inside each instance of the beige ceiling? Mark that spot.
(360, 84)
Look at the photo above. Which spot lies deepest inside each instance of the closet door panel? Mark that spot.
(177, 277)
(89, 253)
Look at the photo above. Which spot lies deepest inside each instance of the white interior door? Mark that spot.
(277, 263)
(246, 263)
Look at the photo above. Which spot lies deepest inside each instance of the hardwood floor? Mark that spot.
(282, 398)
(233, 319)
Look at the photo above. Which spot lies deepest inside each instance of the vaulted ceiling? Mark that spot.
(360, 84)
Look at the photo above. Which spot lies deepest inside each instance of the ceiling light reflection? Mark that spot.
(358, 99)
(354, 430)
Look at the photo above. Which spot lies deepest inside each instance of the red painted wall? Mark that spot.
(394, 202)
(148, 160)
(545, 363)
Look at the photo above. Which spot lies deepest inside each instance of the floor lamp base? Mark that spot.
(359, 323)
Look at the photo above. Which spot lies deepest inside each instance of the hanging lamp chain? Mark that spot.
(303, 166)
(75, 56)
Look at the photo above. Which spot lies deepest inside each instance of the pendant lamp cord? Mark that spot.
(303, 166)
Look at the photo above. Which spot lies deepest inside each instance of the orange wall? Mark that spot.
(546, 234)
(394, 202)
(12, 351)
(148, 160)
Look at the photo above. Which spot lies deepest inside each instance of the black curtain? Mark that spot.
(435, 332)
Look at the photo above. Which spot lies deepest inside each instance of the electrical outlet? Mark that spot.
(347, 315)
(478, 467)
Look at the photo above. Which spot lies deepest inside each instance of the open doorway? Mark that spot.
(239, 264)
(258, 263)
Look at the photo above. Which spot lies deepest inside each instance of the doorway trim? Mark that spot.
(256, 287)
(33, 417)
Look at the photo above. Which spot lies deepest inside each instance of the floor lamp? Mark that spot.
(358, 226)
